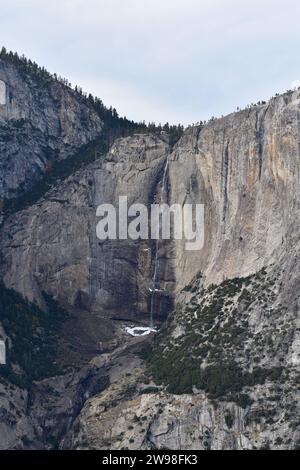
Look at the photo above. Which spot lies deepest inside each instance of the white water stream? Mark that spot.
(156, 275)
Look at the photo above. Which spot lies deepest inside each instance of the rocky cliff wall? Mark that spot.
(52, 246)
(245, 169)
(40, 123)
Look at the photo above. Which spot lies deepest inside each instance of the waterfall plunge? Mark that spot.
(156, 275)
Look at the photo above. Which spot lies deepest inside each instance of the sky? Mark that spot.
(176, 61)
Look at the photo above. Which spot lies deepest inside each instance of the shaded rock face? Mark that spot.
(55, 241)
(38, 125)
(15, 425)
(27, 422)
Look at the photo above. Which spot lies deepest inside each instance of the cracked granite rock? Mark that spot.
(38, 126)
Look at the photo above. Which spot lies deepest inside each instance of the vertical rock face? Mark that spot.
(55, 241)
(245, 169)
(39, 123)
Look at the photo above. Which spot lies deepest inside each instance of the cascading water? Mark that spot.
(156, 275)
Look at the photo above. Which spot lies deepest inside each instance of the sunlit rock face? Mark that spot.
(2, 352)
(245, 169)
(2, 93)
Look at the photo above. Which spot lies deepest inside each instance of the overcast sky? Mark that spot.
(162, 60)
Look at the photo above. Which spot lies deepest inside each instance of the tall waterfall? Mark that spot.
(156, 275)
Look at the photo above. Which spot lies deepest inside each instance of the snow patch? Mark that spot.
(140, 331)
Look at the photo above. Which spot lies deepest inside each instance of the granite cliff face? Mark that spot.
(245, 169)
(223, 373)
(55, 241)
(40, 123)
